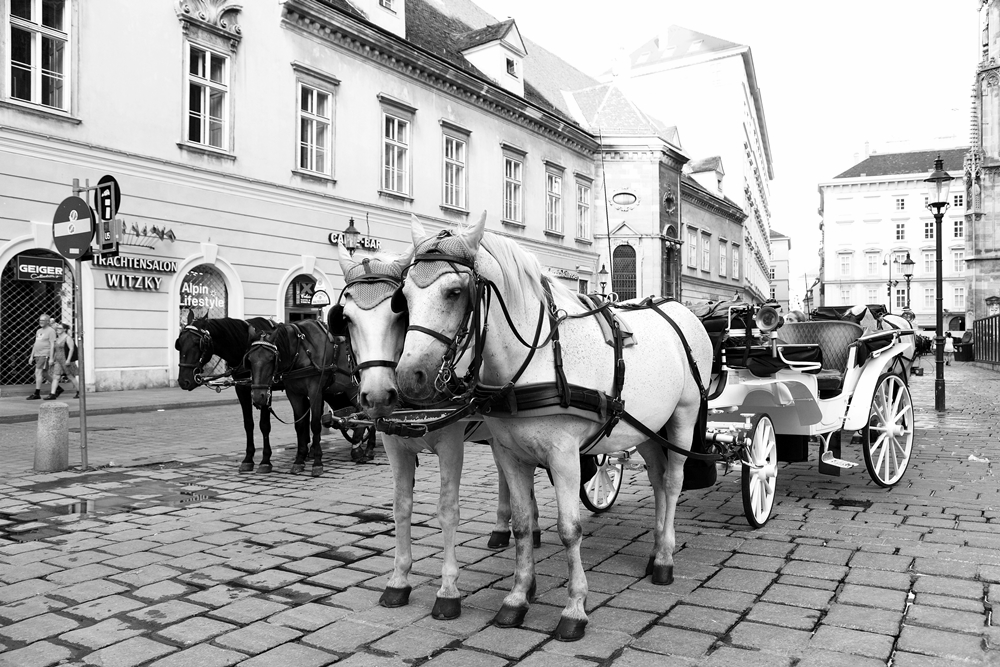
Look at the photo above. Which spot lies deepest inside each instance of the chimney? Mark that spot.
(867, 150)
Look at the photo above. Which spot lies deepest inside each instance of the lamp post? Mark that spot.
(602, 276)
(940, 187)
(908, 265)
(891, 283)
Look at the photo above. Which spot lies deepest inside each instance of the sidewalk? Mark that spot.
(15, 409)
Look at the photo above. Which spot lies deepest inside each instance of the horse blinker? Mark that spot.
(335, 320)
(398, 302)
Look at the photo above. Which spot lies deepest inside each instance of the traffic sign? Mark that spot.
(73, 227)
(108, 198)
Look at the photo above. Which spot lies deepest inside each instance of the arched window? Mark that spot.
(298, 299)
(623, 272)
(203, 294)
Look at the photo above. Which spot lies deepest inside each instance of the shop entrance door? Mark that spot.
(21, 302)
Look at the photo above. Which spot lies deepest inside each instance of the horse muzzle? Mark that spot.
(261, 397)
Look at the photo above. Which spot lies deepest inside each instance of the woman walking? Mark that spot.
(63, 352)
(949, 349)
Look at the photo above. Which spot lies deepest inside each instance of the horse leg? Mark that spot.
(451, 454)
(566, 479)
(661, 559)
(500, 537)
(265, 434)
(680, 430)
(316, 424)
(300, 406)
(519, 479)
(536, 532)
(403, 463)
(246, 405)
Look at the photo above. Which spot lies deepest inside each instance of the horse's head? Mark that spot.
(374, 329)
(264, 357)
(195, 347)
(439, 293)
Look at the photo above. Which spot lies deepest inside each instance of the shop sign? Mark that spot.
(366, 242)
(564, 273)
(40, 269)
(194, 295)
(130, 281)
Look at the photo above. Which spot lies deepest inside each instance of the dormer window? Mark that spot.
(512, 67)
(387, 4)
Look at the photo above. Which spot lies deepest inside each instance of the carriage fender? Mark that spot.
(864, 391)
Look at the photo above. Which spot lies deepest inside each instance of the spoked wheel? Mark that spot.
(600, 492)
(887, 439)
(759, 473)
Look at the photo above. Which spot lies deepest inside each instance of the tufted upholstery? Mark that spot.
(834, 338)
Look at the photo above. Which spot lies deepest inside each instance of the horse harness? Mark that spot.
(204, 345)
(306, 371)
(476, 396)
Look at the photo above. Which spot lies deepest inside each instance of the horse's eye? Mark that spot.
(454, 294)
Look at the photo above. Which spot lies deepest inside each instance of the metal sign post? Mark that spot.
(82, 377)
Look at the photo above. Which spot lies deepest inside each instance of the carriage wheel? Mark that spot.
(600, 492)
(887, 439)
(758, 478)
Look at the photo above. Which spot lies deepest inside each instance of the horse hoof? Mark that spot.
(317, 471)
(446, 609)
(395, 597)
(499, 539)
(663, 575)
(570, 629)
(510, 617)
(536, 539)
(297, 468)
(357, 454)
(264, 468)
(246, 467)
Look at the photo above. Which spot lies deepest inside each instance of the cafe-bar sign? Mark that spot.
(40, 269)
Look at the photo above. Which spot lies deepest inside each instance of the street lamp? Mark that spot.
(351, 237)
(891, 283)
(602, 276)
(908, 265)
(940, 185)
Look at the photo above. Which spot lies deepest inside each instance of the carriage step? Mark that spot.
(831, 465)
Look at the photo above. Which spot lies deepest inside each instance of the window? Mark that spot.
(722, 259)
(736, 262)
(929, 262)
(900, 298)
(845, 295)
(553, 202)
(583, 286)
(846, 264)
(772, 293)
(623, 281)
(513, 193)
(872, 295)
(706, 254)
(39, 52)
(929, 229)
(387, 4)
(900, 203)
(959, 201)
(928, 298)
(208, 97)
(927, 201)
(959, 298)
(770, 274)
(692, 244)
(512, 67)
(454, 171)
(959, 229)
(314, 129)
(395, 154)
(582, 211)
(958, 260)
(900, 231)
(871, 261)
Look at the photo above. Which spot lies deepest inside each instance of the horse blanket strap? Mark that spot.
(406, 429)
(655, 305)
(607, 319)
(561, 384)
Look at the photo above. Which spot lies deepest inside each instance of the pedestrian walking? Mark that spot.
(41, 353)
(949, 349)
(64, 361)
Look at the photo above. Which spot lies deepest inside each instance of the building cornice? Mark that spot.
(711, 203)
(392, 52)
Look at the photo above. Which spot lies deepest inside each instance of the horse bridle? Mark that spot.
(367, 278)
(204, 347)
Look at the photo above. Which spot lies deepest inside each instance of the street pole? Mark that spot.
(82, 376)
(939, 317)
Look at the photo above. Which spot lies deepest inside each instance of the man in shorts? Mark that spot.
(41, 353)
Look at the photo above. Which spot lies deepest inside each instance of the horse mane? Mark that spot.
(519, 269)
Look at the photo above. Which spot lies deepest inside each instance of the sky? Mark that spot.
(897, 75)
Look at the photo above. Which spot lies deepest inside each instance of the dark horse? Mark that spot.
(312, 364)
(229, 339)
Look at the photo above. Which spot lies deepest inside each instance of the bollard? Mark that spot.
(52, 446)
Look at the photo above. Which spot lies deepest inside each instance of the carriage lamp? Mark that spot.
(908, 265)
(351, 237)
(602, 277)
(940, 187)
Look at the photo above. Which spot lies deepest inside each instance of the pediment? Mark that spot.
(624, 230)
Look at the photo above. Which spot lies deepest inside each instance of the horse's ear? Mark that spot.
(346, 263)
(252, 334)
(474, 234)
(190, 317)
(405, 259)
(417, 230)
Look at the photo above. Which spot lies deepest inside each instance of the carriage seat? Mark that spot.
(834, 338)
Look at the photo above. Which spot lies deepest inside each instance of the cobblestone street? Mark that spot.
(172, 558)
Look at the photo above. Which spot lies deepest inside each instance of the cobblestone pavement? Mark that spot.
(191, 563)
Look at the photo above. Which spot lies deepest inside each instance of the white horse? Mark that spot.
(375, 333)
(660, 390)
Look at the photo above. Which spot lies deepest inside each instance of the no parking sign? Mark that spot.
(73, 227)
